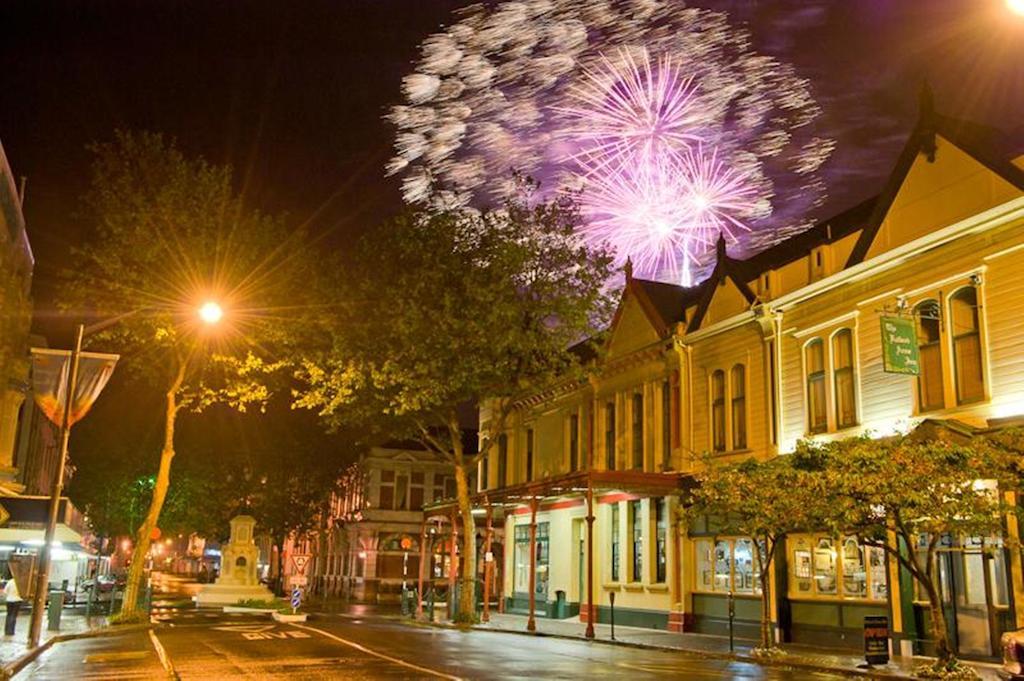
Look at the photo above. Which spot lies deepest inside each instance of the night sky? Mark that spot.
(292, 92)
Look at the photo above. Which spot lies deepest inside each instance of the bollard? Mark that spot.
(732, 617)
(611, 598)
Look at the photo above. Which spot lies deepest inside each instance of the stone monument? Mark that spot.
(238, 580)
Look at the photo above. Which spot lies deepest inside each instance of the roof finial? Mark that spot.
(720, 246)
(926, 120)
(629, 268)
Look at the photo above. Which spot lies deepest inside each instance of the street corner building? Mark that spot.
(368, 545)
(29, 442)
(580, 492)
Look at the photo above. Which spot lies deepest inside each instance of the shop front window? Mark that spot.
(821, 566)
(521, 576)
(636, 518)
(616, 548)
(661, 528)
(725, 565)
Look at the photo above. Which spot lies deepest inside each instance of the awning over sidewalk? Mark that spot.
(571, 485)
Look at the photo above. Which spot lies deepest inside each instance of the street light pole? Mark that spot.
(43, 573)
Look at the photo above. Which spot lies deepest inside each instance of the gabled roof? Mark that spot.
(978, 141)
(725, 268)
(663, 304)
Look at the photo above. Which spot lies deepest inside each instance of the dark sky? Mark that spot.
(292, 92)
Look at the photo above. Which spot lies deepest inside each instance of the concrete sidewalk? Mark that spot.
(13, 647)
(718, 646)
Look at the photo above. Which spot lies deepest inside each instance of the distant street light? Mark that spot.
(1016, 6)
(211, 312)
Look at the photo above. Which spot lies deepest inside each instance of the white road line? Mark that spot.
(162, 654)
(382, 656)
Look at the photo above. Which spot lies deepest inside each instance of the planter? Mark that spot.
(251, 611)
(288, 617)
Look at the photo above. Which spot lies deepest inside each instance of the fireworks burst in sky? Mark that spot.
(663, 117)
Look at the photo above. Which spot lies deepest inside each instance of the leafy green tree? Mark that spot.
(763, 500)
(904, 494)
(449, 307)
(168, 233)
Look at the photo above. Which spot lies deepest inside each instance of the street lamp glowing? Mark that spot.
(211, 312)
(1016, 6)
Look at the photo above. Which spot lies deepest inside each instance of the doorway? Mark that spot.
(974, 589)
(579, 534)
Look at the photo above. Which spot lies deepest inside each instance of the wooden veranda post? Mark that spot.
(590, 560)
(488, 565)
(425, 556)
(452, 566)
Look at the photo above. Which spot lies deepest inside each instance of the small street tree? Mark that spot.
(169, 233)
(905, 494)
(454, 307)
(763, 500)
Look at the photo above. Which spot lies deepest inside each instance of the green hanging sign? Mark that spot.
(899, 346)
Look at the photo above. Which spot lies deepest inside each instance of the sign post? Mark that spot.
(296, 598)
(900, 354)
(876, 639)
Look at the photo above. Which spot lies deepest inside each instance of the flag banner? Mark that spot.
(50, 370)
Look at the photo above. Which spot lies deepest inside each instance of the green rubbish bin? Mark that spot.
(54, 609)
(561, 606)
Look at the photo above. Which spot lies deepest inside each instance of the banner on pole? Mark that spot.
(50, 370)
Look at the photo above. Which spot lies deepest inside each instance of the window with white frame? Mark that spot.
(738, 402)
(830, 376)
(930, 383)
(814, 366)
(966, 341)
(718, 410)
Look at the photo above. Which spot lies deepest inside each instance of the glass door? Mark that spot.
(972, 580)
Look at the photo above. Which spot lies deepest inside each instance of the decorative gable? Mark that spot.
(938, 193)
(632, 328)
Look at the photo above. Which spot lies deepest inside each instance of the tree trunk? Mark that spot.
(144, 537)
(767, 640)
(943, 650)
(467, 599)
(279, 543)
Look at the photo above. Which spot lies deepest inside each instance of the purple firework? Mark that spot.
(664, 117)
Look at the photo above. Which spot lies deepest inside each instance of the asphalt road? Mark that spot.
(206, 644)
(203, 645)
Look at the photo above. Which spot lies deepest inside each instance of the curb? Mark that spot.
(713, 655)
(19, 663)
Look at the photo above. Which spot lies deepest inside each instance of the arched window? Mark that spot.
(964, 327)
(930, 389)
(718, 410)
(739, 406)
(814, 360)
(843, 379)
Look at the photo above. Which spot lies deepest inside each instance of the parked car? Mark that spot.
(1013, 656)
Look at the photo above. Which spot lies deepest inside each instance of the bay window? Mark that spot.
(725, 565)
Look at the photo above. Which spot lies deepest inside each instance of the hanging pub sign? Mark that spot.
(899, 346)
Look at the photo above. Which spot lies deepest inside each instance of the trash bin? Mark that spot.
(561, 607)
(53, 612)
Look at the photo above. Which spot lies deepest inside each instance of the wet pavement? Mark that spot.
(211, 645)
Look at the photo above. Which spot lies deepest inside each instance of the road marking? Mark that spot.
(162, 654)
(395, 660)
(113, 657)
(250, 628)
(672, 669)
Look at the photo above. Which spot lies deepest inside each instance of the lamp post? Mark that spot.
(210, 313)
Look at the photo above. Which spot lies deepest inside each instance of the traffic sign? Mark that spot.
(296, 598)
(298, 580)
(300, 560)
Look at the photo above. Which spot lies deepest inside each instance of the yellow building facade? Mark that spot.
(769, 350)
